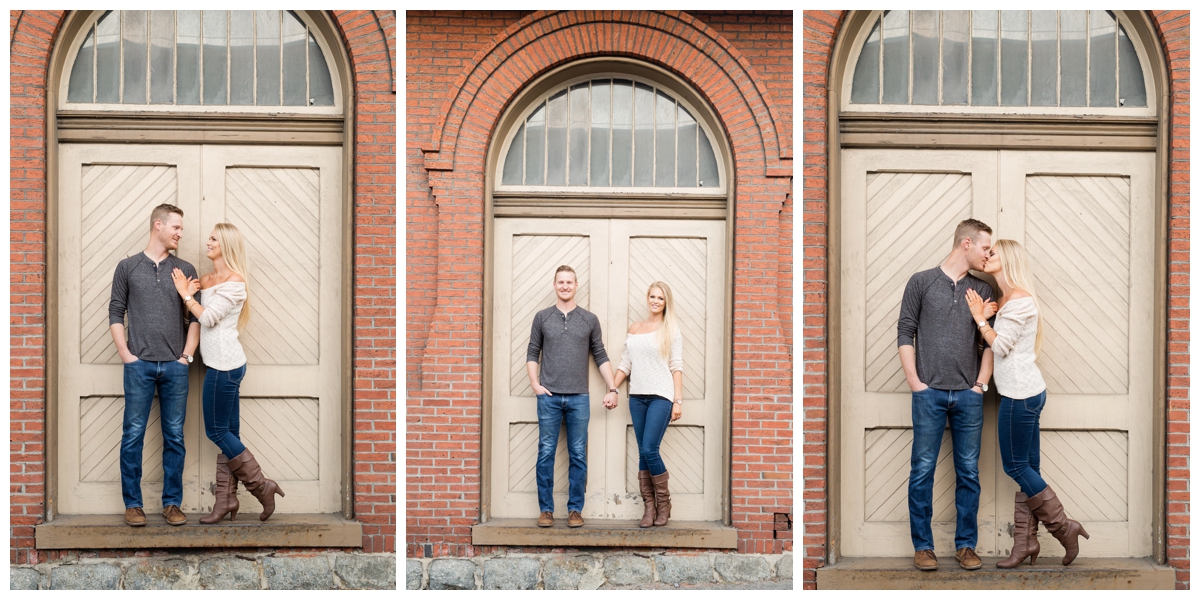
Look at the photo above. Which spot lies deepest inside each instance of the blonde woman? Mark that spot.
(653, 362)
(225, 310)
(1016, 341)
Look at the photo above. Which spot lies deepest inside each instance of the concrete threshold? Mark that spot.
(1049, 574)
(602, 532)
(76, 532)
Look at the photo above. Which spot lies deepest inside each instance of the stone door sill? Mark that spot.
(601, 532)
(1049, 574)
(73, 532)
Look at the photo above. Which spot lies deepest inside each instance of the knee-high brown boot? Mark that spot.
(1024, 536)
(246, 469)
(647, 488)
(1046, 507)
(226, 502)
(662, 498)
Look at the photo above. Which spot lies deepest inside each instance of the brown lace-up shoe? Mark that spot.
(135, 517)
(546, 519)
(925, 560)
(574, 519)
(173, 515)
(967, 559)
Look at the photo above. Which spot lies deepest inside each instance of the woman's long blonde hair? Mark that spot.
(1015, 263)
(233, 250)
(670, 323)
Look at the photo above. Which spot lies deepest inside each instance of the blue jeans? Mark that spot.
(221, 409)
(142, 379)
(553, 412)
(1020, 441)
(651, 415)
(931, 409)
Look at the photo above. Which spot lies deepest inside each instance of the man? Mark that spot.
(162, 338)
(562, 337)
(947, 368)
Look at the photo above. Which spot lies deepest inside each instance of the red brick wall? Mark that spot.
(369, 37)
(462, 70)
(820, 31)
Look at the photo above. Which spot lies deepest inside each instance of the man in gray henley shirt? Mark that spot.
(562, 337)
(947, 368)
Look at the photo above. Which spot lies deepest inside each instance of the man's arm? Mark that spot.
(604, 364)
(610, 398)
(532, 354)
(116, 315)
(531, 367)
(985, 367)
(193, 340)
(906, 333)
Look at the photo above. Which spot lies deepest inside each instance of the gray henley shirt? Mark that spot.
(562, 343)
(935, 318)
(158, 322)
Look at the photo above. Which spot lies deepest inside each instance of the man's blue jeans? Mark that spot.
(1020, 433)
(931, 409)
(553, 412)
(142, 379)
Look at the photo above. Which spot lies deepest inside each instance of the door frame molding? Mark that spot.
(493, 207)
(72, 24)
(921, 133)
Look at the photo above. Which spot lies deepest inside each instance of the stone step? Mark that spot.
(604, 532)
(77, 532)
(1049, 574)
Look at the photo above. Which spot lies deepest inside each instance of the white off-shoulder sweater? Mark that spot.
(1017, 375)
(648, 372)
(219, 345)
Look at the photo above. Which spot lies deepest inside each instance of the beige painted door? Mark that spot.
(615, 260)
(286, 201)
(1073, 211)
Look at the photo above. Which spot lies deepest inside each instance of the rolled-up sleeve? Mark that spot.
(534, 352)
(910, 310)
(597, 344)
(119, 301)
(676, 352)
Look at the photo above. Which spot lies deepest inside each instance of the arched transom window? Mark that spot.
(610, 132)
(1007, 58)
(229, 58)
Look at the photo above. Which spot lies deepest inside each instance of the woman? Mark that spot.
(224, 311)
(653, 361)
(1016, 341)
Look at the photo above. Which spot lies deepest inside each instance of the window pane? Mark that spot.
(1073, 48)
(708, 163)
(664, 140)
(1045, 58)
(687, 149)
(581, 114)
(267, 25)
(320, 82)
(1014, 58)
(622, 133)
(643, 145)
(895, 57)
(162, 56)
(983, 57)
(80, 88)
(215, 56)
(954, 56)
(1103, 59)
(295, 70)
(925, 57)
(135, 57)
(241, 59)
(535, 147)
(601, 92)
(1133, 87)
(108, 67)
(187, 81)
(556, 139)
(512, 160)
(866, 74)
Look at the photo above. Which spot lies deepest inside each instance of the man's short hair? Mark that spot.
(568, 269)
(161, 211)
(969, 228)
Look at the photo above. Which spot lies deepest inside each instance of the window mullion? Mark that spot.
(228, 56)
(941, 65)
(121, 57)
(999, 55)
(911, 21)
(970, 53)
(524, 149)
(282, 16)
(149, 44)
(200, 51)
(567, 167)
(1029, 58)
(880, 78)
(1058, 61)
(591, 100)
(1117, 58)
(308, 69)
(254, 58)
(612, 84)
(95, 51)
(175, 57)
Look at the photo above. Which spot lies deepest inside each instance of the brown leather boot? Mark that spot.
(662, 499)
(246, 469)
(1046, 507)
(647, 488)
(226, 502)
(1024, 536)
